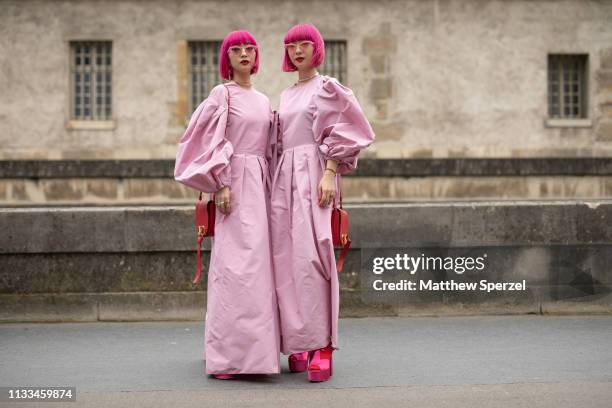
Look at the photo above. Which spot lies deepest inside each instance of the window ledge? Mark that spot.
(90, 125)
(568, 123)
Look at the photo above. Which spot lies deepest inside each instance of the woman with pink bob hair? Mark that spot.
(321, 131)
(225, 151)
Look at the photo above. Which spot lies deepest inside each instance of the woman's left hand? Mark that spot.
(327, 188)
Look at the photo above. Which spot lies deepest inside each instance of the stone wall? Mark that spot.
(51, 182)
(136, 263)
(604, 97)
(105, 191)
(436, 78)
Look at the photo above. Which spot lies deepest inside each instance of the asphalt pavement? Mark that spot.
(490, 361)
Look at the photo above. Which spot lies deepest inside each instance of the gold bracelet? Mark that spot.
(327, 168)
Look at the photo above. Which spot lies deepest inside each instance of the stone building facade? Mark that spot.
(436, 78)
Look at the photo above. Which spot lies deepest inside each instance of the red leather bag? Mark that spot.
(340, 231)
(205, 225)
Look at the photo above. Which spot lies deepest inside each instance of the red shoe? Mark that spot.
(298, 362)
(224, 376)
(320, 364)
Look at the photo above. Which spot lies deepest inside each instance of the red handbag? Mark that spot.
(340, 237)
(205, 225)
(205, 217)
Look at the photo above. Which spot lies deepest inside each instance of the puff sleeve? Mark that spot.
(204, 153)
(339, 125)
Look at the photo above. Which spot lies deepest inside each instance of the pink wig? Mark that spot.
(303, 32)
(235, 38)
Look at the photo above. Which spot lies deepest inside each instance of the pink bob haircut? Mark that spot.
(235, 38)
(303, 32)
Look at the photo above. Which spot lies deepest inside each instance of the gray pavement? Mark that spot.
(505, 361)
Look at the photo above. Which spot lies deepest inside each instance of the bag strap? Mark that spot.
(199, 272)
(201, 238)
(340, 262)
(339, 187)
(228, 104)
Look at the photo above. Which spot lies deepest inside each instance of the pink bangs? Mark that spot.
(303, 32)
(235, 38)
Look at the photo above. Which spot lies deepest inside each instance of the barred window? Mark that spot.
(567, 86)
(203, 71)
(91, 80)
(335, 60)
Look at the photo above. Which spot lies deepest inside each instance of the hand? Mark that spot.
(222, 200)
(327, 188)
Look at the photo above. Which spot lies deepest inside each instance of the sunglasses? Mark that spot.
(295, 45)
(236, 50)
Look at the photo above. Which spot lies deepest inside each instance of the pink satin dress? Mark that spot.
(318, 120)
(241, 322)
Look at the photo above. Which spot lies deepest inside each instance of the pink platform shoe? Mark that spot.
(224, 376)
(320, 364)
(298, 362)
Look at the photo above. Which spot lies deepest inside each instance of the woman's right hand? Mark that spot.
(222, 200)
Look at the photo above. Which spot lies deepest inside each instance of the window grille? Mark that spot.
(567, 86)
(335, 60)
(91, 80)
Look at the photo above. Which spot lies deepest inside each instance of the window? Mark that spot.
(203, 70)
(567, 86)
(91, 80)
(335, 60)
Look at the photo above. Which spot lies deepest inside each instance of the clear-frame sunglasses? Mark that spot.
(300, 44)
(237, 50)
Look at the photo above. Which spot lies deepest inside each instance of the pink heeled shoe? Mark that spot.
(320, 364)
(224, 376)
(298, 362)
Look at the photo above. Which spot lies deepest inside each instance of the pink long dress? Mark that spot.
(319, 120)
(241, 322)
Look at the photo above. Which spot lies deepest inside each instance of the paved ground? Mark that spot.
(492, 361)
